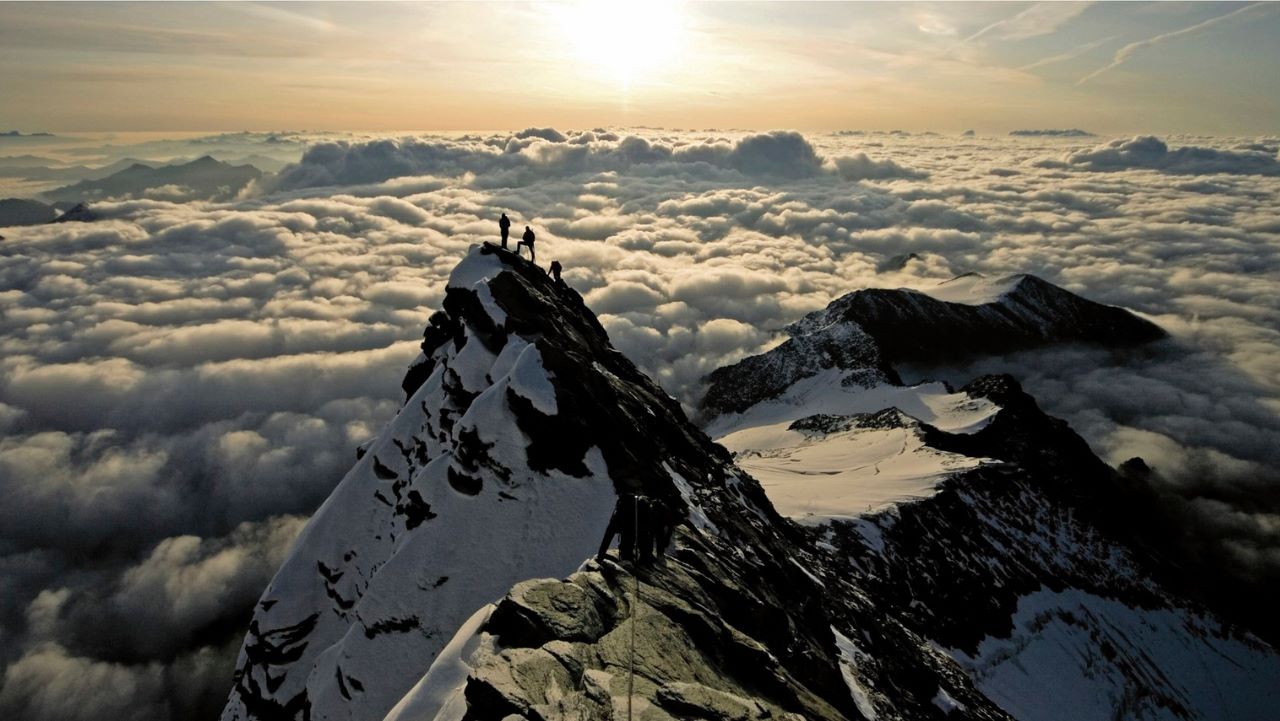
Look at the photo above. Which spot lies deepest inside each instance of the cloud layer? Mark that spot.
(182, 383)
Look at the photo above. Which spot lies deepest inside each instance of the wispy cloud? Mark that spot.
(1123, 54)
(1068, 55)
(1039, 19)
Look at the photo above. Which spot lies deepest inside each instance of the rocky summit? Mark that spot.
(851, 548)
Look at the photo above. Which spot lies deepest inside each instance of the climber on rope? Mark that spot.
(526, 239)
(555, 270)
(504, 225)
(644, 527)
(625, 524)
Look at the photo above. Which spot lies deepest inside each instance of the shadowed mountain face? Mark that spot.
(449, 575)
(200, 179)
(15, 211)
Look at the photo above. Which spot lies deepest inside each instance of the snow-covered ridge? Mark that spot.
(863, 333)
(520, 427)
(441, 515)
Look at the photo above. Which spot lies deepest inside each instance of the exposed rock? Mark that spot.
(79, 213)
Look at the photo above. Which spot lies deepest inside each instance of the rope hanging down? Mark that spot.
(635, 601)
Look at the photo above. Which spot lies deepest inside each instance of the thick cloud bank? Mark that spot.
(1151, 152)
(182, 383)
(535, 154)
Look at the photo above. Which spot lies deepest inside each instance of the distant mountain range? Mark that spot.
(201, 179)
(1054, 133)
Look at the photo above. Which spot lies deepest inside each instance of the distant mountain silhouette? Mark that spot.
(1054, 133)
(31, 167)
(18, 211)
(203, 178)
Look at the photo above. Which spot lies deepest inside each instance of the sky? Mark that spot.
(1106, 67)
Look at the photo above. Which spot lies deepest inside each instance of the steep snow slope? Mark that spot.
(1083, 646)
(442, 514)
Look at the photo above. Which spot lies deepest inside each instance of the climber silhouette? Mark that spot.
(526, 239)
(555, 272)
(504, 224)
(664, 518)
(629, 515)
(644, 526)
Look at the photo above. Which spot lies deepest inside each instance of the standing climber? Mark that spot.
(555, 272)
(626, 515)
(664, 517)
(526, 239)
(504, 225)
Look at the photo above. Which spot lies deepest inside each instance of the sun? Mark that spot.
(628, 42)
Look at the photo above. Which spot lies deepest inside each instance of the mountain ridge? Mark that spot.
(445, 578)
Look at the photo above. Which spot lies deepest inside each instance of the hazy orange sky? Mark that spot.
(1107, 67)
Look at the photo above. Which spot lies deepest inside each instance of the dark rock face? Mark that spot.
(846, 347)
(866, 331)
(79, 213)
(912, 326)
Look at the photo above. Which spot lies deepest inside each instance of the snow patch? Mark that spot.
(475, 267)
(696, 514)
(531, 381)
(496, 314)
(1075, 656)
(850, 657)
(825, 392)
(438, 696)
(972, 289)
(815, 479)
(943, 701)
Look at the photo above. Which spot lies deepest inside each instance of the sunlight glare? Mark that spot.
(627, 41)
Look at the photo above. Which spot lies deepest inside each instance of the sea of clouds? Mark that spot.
(181, 384)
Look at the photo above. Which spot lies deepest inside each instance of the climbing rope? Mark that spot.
(635, 601)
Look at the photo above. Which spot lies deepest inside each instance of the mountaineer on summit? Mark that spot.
(526, 239)
(504, 224)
